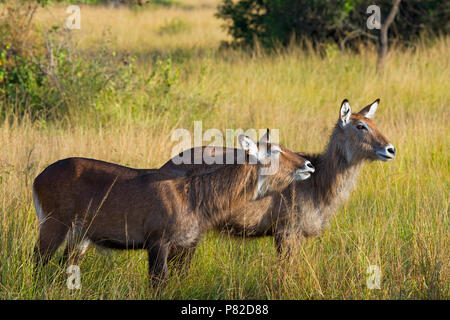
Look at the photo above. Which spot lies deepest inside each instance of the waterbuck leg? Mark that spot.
(51, 234)
(282, 246)
(157, 264)
(76, 246)
(286, 245)
(181, 257)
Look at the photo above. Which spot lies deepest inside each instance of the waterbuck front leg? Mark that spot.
(157, 263)
(76, 246)
(181, 257)
(287, 244)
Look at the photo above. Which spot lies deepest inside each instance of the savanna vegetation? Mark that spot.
(117, 88)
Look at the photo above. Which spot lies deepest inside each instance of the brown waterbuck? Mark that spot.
(304, 208)
(125, 208)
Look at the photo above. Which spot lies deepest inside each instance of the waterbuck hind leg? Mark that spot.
(157, 264)
(51, 234)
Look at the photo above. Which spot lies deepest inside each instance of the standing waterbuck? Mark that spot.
(124, 208)
(304, 208)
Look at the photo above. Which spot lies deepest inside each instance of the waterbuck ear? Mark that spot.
(248, 145)
(265, 139)
(345, 113)
(370, 110)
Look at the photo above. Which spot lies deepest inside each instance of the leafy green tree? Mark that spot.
(274, 22)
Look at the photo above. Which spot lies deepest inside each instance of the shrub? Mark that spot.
(57, 81)
(18, 76)
(46, 77)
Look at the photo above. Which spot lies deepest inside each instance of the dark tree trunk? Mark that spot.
(384, 34)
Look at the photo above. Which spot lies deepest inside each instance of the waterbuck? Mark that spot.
(125, 208)
(304, 208)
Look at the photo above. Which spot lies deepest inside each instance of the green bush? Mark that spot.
(273, 22)
(44, 76)
(56, 81)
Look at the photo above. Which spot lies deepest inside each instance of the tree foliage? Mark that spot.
(274, 22)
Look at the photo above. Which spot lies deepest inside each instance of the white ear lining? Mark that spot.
(346, 112)
(265, 138)
(248, 145)
(372, 110)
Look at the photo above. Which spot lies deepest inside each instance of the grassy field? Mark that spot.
(397, 218)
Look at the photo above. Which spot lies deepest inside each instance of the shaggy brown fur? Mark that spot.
(304, 208)
(125, 208)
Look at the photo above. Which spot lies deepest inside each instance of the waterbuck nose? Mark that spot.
(308, 166)
(386, 153)
(391, 150)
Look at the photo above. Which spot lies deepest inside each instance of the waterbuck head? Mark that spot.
(277, 166)
(359, 138)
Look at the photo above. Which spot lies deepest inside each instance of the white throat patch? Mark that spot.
(262, 186)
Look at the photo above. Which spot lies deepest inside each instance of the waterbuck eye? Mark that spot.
(360, 127)
(275, 150)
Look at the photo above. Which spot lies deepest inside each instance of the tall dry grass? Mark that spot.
(185, 30)
(397, 218)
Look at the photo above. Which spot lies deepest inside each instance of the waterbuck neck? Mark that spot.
(335, 174)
